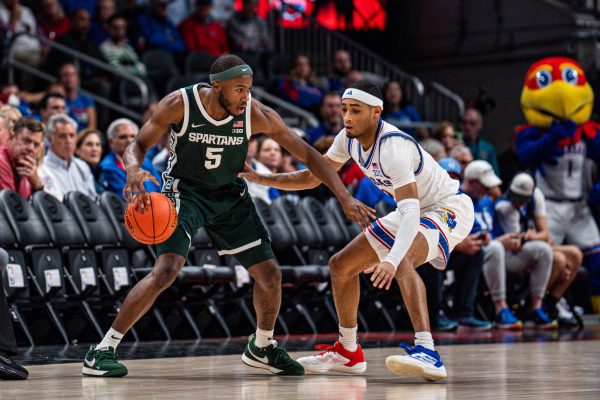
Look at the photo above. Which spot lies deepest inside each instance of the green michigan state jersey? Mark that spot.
(206, 152)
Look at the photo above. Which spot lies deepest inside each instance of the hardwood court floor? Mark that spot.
(543, 370)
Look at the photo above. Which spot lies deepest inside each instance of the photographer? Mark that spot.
(507, 251)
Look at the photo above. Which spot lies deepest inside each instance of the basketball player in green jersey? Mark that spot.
(210, 126)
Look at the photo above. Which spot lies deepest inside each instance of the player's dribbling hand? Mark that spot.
(383, 275)
(134, 186)
(358, 212)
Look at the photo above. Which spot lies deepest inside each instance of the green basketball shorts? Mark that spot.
(227, 214)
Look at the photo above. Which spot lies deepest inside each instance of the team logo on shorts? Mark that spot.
(449, 219)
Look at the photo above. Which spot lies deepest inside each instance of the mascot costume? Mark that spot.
(557, 102)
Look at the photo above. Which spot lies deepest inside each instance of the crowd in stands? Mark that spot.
(52, 140)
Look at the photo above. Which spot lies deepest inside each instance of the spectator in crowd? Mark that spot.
(352, 77)
(480, 148)
(9, 369)
(247, 32)
(444, 132)
(462, 154)
(341, 65)
(52, 19)
(121, 133)
(61, 171)
(509, 163)
(51, 104)
(19, 24)
(200, 32)
(522, 209)
(81, 107)
(19, 158)
(99, 29)
(78, 38)
(256, 190)
(300, 86)
(89, 149)
(5, 131)
(117, 51)
(268, 153)
(157, 31)
(467, 263)
(11, 95)
(398, 110)
(72, 6)
(507, 252)
(330, 112)
(452, 167)
(434, 147)
(13, 114)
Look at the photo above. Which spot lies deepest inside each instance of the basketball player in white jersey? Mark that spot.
(431, 218)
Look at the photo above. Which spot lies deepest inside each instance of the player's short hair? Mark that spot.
(368, 87)
(224, 62)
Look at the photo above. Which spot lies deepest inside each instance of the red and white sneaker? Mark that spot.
(336, 359)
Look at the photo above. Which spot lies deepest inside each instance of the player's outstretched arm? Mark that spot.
(169, 111)
(297, 180)
(267, 121)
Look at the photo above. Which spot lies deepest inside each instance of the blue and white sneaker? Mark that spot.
(505, 319)
(418, 361)
(475, 324)
(541, 319)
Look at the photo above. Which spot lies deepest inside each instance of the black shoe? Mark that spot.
(10, 369)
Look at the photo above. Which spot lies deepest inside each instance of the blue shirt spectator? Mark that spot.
(121, 133)
(158, 31)
(300, 86)
(113, 174)
(70, 6)
(396, 108)
(78, 109)
(369, 194)
(331, 120)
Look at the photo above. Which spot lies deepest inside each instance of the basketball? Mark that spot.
(155, 223)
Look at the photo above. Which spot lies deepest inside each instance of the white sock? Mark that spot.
(424, 339)
(112, 339)
(263, 338)
(348, 338)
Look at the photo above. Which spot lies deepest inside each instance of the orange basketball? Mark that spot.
(155, 223)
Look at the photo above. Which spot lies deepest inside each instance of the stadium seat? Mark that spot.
(198, 62)
(350, 228)
(160, 66)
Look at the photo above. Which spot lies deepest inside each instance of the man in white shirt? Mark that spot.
(431, 218)
(61, 171)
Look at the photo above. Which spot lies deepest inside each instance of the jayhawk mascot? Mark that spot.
(557, 102)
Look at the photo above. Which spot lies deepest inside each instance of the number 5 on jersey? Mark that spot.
(213, 157)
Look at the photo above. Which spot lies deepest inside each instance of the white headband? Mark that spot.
(357, 94)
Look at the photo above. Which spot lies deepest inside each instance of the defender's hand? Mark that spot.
(383, 275)
(251, 175)
(358, 212)
(135, 186)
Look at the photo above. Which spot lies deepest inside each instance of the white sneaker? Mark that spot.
(563, 309)
(418, 361)
(335, 359)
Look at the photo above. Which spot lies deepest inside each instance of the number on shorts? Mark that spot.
(213, 157)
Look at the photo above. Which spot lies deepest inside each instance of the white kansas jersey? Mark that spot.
(395, 160)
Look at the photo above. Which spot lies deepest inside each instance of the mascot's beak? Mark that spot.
(559, 101)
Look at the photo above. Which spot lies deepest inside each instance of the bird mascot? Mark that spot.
(557, 144)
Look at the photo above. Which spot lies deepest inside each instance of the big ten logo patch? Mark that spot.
(168, 184)
(449, 218)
